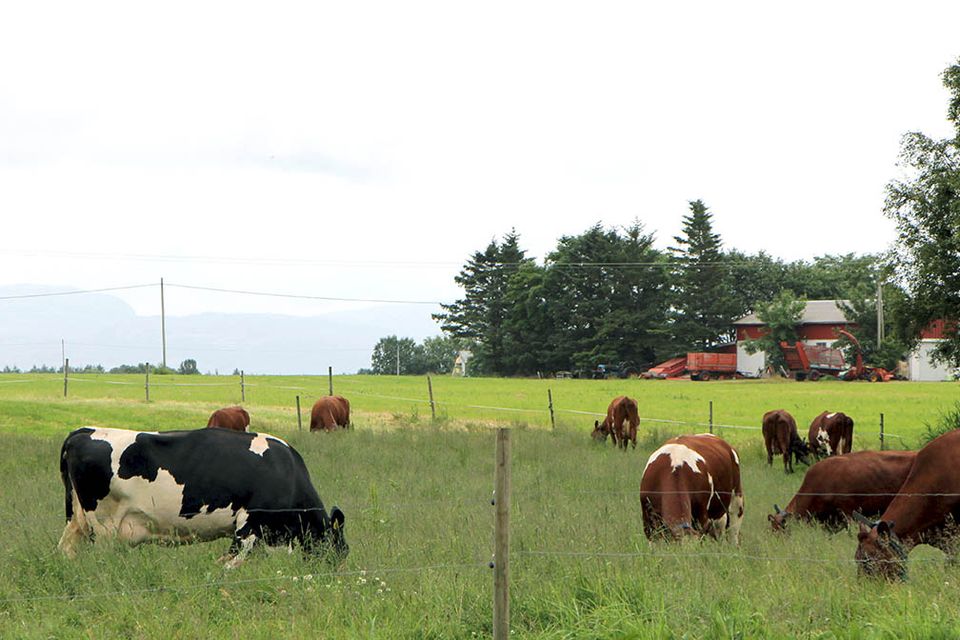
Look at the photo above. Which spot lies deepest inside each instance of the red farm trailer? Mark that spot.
(706, 366)
(700, 366)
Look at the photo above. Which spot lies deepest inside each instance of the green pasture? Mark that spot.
(384, 401)
(416, 494)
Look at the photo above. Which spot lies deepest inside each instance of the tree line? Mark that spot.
(187, 367)
(609, 296)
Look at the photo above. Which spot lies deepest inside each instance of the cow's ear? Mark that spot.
(596, 424)
(770, 517)
(336, 519)
(864, 532)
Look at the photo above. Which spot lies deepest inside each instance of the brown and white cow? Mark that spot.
(621, 423)
(235, 418)
(831, 434)
(330, 412)
(834, 488)
(691, 486)
(780, 437)
(924, 511)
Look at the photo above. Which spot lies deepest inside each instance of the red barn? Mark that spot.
(818, 326)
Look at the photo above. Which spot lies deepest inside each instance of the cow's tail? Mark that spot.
(67, 485)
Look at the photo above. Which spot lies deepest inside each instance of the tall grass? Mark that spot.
(420, 526)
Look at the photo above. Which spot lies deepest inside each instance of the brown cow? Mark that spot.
(924, 511)
(831, 434)
(235, 418)
(691, 486)
(621, 410)
(330, 412)
(865, 481)
(780, 436)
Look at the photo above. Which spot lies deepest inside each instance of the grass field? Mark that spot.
(416, 494)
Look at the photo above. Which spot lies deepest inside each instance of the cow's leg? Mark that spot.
(735, 514)
(239, 549)
(73, 533)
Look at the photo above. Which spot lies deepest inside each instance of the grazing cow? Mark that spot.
(185, 486)
(836, 487)
(925, 511)
(621, 423)
(691, 486)
(831, 434)
(235, 418)
(780, 436)
(330, 412)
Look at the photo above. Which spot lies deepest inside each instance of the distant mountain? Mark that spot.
(102, 329)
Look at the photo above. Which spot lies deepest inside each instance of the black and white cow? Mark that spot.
(186, 486)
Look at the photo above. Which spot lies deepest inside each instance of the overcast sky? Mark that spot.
(363, 150)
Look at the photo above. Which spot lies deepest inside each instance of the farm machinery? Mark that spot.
(808, 362)
(620, 370)
(699, 365)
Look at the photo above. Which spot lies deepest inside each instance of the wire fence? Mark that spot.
(547, 411)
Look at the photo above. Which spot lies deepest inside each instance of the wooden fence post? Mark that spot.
(881, 433)
(433, 408)
(66, 368)
(243, 388)
(146, 384)
(501, 558)
(711, 416)
(553, 424)
(330, 378)
(299, 419)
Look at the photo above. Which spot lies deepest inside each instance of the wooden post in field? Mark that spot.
(299, 419)
(881, 433)
(66, 369)
(501, 557)
(330, 379)
(711, 416)
(146, 385)
(553, 424)
(433, 408)
(243, 388)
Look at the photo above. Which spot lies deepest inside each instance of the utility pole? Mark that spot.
(880, 323)
(163, 325)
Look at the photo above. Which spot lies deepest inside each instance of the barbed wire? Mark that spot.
(231, 583)
(702, 555)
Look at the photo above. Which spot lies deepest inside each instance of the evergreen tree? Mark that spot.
(609, 298)
(481, 314)
(703, 310)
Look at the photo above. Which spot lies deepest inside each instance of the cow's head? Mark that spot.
(338, 543)
(800, 450)
(778, 519)
(879, 552)
(599, 431)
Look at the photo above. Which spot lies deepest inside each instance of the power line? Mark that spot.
(76, 292)
(301, 297)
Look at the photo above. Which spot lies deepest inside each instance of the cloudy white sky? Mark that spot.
(363, 150)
